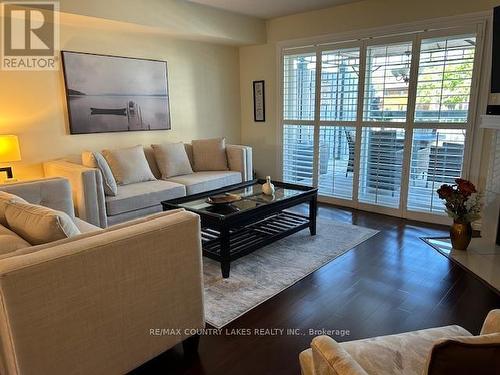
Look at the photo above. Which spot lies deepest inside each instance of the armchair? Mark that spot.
(92, 304)
(428, 351)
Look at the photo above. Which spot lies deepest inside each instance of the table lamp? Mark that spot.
(9, 151)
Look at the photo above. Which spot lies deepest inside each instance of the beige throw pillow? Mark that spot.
(172, 159)
(38, 224)
(96, 160)
(210, 154)
(129, 165)
(4, 199)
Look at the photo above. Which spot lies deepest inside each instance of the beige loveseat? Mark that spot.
(442, 350)
(140, 199)
(102, 302)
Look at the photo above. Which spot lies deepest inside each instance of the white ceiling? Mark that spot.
(270, 8)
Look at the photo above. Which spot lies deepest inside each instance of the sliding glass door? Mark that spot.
(380, 123)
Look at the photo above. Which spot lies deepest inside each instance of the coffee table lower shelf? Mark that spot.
(238, 242)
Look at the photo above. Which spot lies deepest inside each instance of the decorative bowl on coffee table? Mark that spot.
(223, 199)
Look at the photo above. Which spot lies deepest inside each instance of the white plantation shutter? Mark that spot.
(387, 127)
(386, 83)
(381, 166)
(442, 98)
(339, 105)
(336, 161)
(444, 79)
(299, 90)
(298, 154)
(299, 86)
(437, 158)
(339, 84)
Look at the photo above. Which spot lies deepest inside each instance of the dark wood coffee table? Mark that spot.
(235, 230)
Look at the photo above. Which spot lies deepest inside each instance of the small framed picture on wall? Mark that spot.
(259, 102)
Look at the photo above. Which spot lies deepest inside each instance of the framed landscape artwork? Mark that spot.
(115, 94)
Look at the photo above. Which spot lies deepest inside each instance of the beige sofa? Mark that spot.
(443, 350)
(97, 303)
(140, 199)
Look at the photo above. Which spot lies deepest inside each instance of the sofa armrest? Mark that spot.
(87, 187)
(103, 304)
(54, 193)
(240, 159)
(491, 323)
(329, 358)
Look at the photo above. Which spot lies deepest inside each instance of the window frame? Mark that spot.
(454, 26)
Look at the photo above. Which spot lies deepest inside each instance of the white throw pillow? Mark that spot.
(38, 224)
(96, 160)
(4, 199)
(129, 165)
(210, 154)
(172, 159)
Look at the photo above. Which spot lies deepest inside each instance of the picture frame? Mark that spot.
(106, 93)
(259, 101)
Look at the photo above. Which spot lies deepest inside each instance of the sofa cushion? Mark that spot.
(96, 160)
(10, 241)
(200, 182)
(172, 159)
(4, 199)
(465, 355)
(129, 165)
(210, 154)
(141, 195)
(405, 353)
(38, 224)
(132, 215)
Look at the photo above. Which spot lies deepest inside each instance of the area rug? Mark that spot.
(261, 275)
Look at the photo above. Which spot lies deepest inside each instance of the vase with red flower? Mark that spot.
(463, 205)
(460, 235)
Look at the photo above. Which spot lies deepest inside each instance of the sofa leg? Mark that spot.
(190, 346)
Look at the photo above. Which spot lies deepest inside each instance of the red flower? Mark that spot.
(445, 191)
(466, 188)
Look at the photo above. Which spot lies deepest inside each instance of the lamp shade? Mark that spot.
(9, 148)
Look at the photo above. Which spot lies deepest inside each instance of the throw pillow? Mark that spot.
(96, 160)
(210, 154)
(172, 159)
(9, 241)
(153, 165)
(38, 224)
(129, 165)
(465, 355)
(4, 199)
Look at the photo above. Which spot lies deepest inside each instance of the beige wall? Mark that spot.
(203, 84)
(259, 62)
(176, 17)
(369, 14)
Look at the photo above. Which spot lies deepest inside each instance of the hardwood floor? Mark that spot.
(391, 283)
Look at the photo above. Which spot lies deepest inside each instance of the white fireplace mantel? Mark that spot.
(490, 122)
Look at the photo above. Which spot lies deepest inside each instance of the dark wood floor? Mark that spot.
(391, 283)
